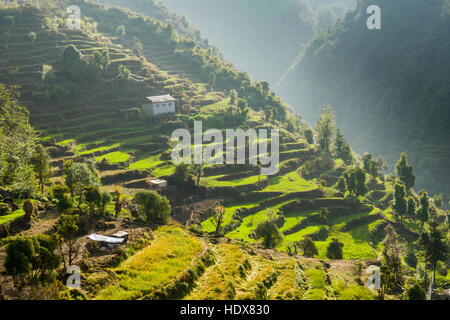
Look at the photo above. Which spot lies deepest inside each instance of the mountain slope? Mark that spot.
(391, 86)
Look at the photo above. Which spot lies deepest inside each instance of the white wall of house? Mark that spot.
(159, 108)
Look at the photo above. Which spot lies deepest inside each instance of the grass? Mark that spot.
(146, 162)
(213, 182)
(114, 157)
(218, 281)
(288, 183)
(14, 215)
(170, 254)
(229, 211)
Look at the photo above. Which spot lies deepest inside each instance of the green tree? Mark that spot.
(198, 171)
(62, 194)
(325, 128)
(154, 207)
(411, 208)
(335, 249)
(341, 185)
(66, 229)
(405, 172)
(400, 205)
(17, 143)
(233, 97)
(270, 234)
(79, 175)
(32, 37)
(393, 252)
(308, 247)
(104, 201)
(434, 242)
(437, 200)
(309, 135)
(40, 161)
(416, 292)
(218, 218)
(355, 179)
(93, 197)
(423, 212)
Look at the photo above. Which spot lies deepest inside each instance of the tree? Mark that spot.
(424, 208)
(434, 242)
(387, 281)
(32, 37)
(411, 208)
(61, 193)
(78, 176)
(309, 135)
(334, 249)
(392, 252)
(405, 172)
(41, 165)
(233, 97)
(342, 149)
(437, 200)
(218, 218)
(270, 233)
(339, 142)
(104, 201)
(400, 205)
(124, 73)
(325, 128)
(17, 143)
(197, 170)
(382, 164)
(416, 292)
(355, 178)
(31, 256)
(100, 60)
(341, 185)
(93, 197)
(66, 229)
(154, 207)
(308, 247)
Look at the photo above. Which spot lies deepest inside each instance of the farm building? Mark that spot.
(159, 105)
(157, 183)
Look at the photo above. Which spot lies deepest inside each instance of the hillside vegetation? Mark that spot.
(217, 231)
(389, 85)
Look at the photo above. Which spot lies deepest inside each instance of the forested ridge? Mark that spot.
(390, 87)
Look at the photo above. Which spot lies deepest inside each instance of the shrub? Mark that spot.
(153, 206)
(334, 250)
(270, 233)
(416, 292)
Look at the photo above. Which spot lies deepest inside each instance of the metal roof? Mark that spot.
(165, 98)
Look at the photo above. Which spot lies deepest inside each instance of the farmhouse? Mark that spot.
(159, 105)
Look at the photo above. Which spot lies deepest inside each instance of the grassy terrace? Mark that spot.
(170, 254)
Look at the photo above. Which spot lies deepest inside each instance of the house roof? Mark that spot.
(164, 98)
(157, 182)
(100, 238)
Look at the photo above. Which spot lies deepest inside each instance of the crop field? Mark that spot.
(170, 253)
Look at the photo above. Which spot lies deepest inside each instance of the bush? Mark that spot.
(270, 233)
(334, 250)
(416, 292)
(153, 206)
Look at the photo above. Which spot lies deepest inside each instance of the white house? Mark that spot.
(159, 105)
